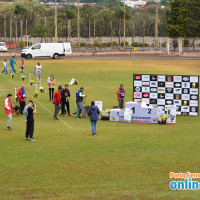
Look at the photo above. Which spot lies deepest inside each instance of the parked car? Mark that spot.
(54, 50)
(3, 47)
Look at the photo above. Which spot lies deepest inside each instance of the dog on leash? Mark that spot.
(86, 109)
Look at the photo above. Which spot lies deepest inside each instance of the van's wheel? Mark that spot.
(29, 56)
(55, 56)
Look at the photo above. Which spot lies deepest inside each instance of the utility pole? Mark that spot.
(89, 30)
(15, 35)
(5, 27)
(111, 34)
(45, 25)
(78, 23)
(156, 25)
(94, 29)
(56, 23)
(124, 25)
(26, 27)
(21, 27)
(133, 34)
(10, 28)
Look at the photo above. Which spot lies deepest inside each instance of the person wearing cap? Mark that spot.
(37, 71)
(30, 120)
(56, 102)
(65, 96)
(8, 110)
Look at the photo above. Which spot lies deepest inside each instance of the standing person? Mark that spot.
(5, 67)
(65, 96)
(29, 119)
(8, 110)
(37, 71)
(120, 95)
(93, 113)
(12, 64)
(51, 83)
(22, 66)
(80, 102)
(56, 102)
(21, 95)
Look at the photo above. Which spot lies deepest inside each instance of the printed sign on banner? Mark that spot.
(99, 104)
(171, 114)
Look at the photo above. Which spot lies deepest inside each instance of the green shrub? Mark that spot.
(21, 44)
(115, 43)
(122, 43)
(83, 44)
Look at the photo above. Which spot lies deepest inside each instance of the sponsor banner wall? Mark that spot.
(167, 90)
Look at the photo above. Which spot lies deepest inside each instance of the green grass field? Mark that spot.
(124, 161)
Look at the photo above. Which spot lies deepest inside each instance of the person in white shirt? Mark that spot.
(37, 71)
(5, 67)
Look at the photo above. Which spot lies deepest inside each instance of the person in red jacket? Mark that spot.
(56, 102)
(8, 110)
(21, 95)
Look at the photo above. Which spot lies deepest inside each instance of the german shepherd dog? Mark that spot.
(86, 109)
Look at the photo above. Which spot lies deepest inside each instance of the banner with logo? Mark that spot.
(166, 90)
(117, 115)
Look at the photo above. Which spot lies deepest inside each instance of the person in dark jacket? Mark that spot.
(93, 112)
(65, 96)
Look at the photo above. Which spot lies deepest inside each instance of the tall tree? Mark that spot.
(178, 18)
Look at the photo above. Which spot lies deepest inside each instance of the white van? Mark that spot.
(3, 47)
(54, 50)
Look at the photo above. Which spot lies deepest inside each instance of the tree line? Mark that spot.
(180, 18)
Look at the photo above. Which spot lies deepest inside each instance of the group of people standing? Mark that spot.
(60, 100)
(28, 112)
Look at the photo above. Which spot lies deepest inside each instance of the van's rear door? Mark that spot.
(67, 48)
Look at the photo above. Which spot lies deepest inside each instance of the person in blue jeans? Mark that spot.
(5, 67)
(93, 112)
(12, 63)
(80, 102)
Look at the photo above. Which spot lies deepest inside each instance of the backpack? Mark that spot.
(25, 113)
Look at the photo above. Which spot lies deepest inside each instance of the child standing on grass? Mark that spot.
(5, 67)
(22, 66)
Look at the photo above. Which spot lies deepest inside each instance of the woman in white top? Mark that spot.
(5, 66)
(38, 69)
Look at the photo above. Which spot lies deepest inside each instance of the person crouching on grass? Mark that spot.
(56, 102)
(29, 119)
(93, 113)
(8, 110)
